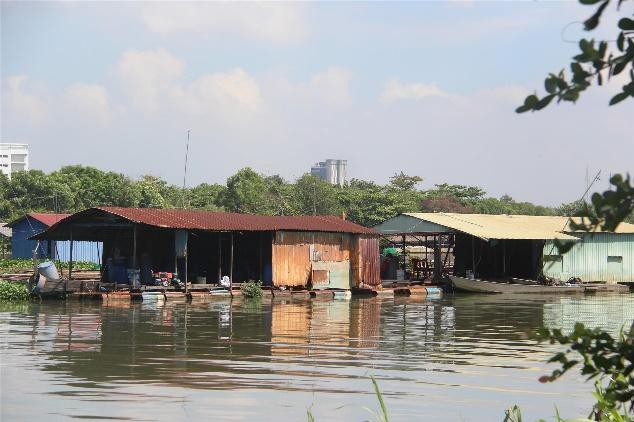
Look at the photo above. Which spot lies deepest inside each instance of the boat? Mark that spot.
(526, 286)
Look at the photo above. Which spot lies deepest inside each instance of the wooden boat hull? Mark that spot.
(483, 286)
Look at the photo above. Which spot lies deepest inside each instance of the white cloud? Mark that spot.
(272, 22)
(18, 103)
(331, 87)
(91, 100)
(148, 76)
(153, 80)
(396, 90)
(212, 92)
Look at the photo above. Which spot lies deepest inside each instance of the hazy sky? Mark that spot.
(427, 88)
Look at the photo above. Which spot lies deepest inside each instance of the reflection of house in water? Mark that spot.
(606, 312)
(78, 332)
(322, 327)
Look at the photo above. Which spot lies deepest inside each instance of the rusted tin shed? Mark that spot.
(290, 251)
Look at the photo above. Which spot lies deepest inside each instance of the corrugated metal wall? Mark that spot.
(292, 261)
(292, 250)
(82, 251)
(369, 265)
(22, 247)
(600, 257)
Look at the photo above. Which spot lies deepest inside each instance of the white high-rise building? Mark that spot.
(14, 157)
(332, 171)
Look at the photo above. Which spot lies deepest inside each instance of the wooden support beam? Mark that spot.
(503, 257)
(186, 263)
(219, 256)
(473, 255)
(70, 263)
(261, 258)
(134, 254)
(231, 260)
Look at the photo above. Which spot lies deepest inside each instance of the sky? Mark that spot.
(427, 88)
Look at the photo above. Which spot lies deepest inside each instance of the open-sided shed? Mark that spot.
(522, 246)
(307, 251)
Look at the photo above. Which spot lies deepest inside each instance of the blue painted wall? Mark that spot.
(22, 247)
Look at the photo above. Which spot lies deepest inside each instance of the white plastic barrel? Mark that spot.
(48, 270)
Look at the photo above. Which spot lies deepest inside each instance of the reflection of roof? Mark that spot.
(507, 226)
(224, 221)
(47, 219)
(5, 230)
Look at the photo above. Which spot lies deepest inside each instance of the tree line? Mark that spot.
(73, 188)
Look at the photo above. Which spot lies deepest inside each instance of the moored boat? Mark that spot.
(484, 286)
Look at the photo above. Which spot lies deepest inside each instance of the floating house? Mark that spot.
(29, 225)
(202, 247)
(518, 246)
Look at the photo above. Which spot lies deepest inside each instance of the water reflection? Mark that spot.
(423, 351)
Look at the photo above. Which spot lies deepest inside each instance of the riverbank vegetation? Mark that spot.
(8, 266)
(13, 292)
(73, 188)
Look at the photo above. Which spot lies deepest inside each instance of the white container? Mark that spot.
(48, 270)
(400, 274)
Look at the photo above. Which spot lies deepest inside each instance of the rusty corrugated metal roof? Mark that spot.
(47, 219)
(224, 221)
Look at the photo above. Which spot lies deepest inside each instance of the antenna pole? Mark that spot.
(185, 172)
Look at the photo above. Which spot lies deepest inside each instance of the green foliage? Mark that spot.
(608, 361)
(79, 265)
(13, 292)
(74, 188)
(311, 195)
(246, 193)
(251, 289)
(405, 182)
(609, 208)
(513, 414)
(8, 266)
(594, 63)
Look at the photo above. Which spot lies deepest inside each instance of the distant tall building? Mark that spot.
(332, 171)
(14, 157)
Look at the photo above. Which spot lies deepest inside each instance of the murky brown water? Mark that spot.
(461, 358)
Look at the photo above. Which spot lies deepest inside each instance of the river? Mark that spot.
(459, 358)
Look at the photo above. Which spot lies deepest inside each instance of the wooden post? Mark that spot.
(70, 262)
(437, 257)
(260, 272)
(186, 262)
(134, 253)
(231, 263)
(473, 255)
(404, 265)
(219, 256)
(503, 258)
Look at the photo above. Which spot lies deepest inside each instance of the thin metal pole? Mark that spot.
(185, 172)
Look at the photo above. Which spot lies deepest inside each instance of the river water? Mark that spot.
(459, 358)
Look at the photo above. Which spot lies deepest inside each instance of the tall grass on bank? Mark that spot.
(381, 416)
